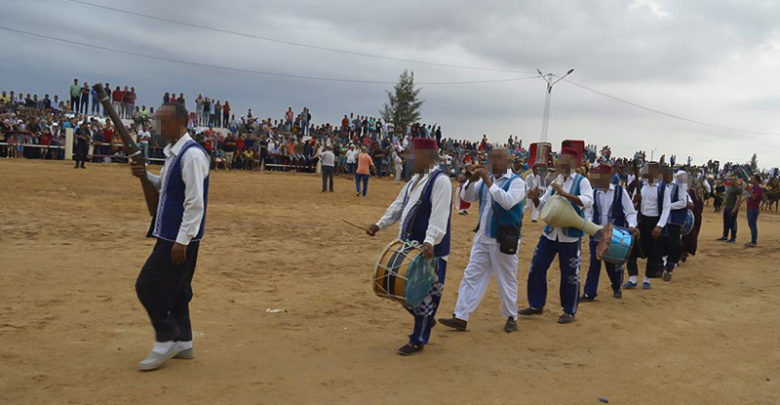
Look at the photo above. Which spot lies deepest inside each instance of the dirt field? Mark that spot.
(72, 330)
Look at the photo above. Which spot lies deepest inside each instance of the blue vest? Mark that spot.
(416, 223)
(575, 190)
(677, 217)
(501, 217)
(170, 208)
(616, 215)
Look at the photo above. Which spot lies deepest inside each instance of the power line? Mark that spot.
(667, 114)
(259, 72)
(293, 43)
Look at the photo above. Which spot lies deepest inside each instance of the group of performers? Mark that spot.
(652, 208)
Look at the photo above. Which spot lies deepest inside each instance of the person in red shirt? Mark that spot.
(116, 99)
(225, 113)
(240, 144)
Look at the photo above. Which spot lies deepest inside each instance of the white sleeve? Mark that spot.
(470, 191)
(154, 179)
(628, 209)
(682, 200)
(546, 196)
(586, 193)
(441, 202)
(665, 211)
(194, 170)
(510, 198)
(395, 209)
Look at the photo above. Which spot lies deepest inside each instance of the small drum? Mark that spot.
(402, 274)
(614, 244)
(687, 226)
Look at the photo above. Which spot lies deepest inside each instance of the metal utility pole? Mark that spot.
(551, 81)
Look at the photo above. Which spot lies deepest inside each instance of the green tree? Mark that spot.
(403, 106)
(754, 162)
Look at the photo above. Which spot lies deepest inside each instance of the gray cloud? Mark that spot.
(709, 60)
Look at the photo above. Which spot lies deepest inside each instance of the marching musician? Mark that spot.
(423, 208)
(564, 242)
(180, 194)
(654, 204)
(677, 188)
(533, 182)
(611, 205)
(501, 196)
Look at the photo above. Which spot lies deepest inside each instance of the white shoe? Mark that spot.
(155, 360)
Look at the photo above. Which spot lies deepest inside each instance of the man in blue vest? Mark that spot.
(677, 188)
(611, 204)
(501, 198)
(176, 199)
(565, 242)
(423, 208)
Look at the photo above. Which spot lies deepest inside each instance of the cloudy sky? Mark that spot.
(712, 61)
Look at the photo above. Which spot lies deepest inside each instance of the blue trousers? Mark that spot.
(752, 218)
(591, 288)
(424, 315)
(364, 179)
(569, 261)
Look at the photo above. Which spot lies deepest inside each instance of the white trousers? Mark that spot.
(485, 260)
(529, 205)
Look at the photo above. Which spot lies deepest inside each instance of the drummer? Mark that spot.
(564, 242)
(423, 208)
(611, 204)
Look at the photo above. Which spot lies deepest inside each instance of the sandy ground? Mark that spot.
(71, 328)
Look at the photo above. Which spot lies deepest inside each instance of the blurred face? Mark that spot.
(499, 161)
(668, 174)
(651, 173)
(566, 164)
(167, 125)
(423, 160)
(601, 180)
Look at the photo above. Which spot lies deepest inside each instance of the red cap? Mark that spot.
(424, 144)
(603, 169)
(567, 150)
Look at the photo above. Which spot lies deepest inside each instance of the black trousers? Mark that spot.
(81, 150)
(729, 223)
(672, 246)
(327, 176)
(165, 290)
(651, 248)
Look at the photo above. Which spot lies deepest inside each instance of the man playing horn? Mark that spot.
(564, 242)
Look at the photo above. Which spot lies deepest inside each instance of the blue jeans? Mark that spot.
(752, 218)
(364, 178)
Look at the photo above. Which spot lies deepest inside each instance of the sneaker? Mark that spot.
(667, 275)
(618, 294)
(510, 325)
(586, 298)
(721, 239)
(646, 285)
(750, 245)
(629, 285)
(731, 241)
(566, 318)
(454, 323)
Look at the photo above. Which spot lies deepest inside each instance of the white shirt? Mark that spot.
(682, 196)
(352, 155)
(605, 199)
(506, 199)
(585, 195)
(649, 205)
(144, 136)
(441, 198)
(532, 181)
(194, 169)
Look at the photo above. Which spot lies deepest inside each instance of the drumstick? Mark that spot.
(356, 226)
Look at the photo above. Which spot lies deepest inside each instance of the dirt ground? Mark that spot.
(72, 330)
